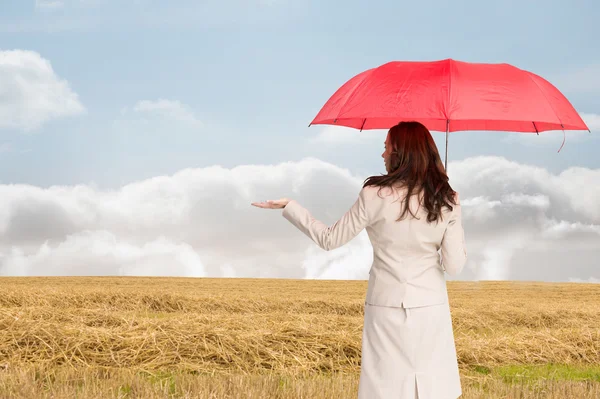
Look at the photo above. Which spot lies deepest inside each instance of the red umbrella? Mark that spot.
(450, 96)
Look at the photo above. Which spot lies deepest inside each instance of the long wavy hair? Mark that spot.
(415, 163)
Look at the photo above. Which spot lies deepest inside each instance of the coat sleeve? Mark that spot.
(336, 235)
(454, 250)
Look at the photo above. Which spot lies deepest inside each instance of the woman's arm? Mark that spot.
(454, 250)
(336, 235)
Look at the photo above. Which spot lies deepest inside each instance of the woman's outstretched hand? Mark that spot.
(272, 204)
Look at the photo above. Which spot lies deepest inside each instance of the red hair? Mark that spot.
(415, 163)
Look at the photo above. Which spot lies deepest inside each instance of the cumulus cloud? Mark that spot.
(31, 93)
(102, 253)
(512, 209)
(160, 115)
(592, 121)
(169, 109)
(348, 262)
(521, 222)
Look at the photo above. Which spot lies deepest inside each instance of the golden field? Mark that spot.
(143, 337)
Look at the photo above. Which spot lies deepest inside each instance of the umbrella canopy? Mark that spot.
(450, 95)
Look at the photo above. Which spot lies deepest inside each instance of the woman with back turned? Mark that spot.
(410, 214)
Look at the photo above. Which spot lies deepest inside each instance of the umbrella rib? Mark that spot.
(449, 92)
(354, 92)
(546, 98)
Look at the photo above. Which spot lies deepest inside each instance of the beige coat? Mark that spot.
(407, 270)
(408, 346)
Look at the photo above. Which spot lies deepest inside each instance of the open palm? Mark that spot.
(272, 204)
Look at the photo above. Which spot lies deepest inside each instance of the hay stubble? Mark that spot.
(266, 331)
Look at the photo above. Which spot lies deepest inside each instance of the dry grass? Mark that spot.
(259, 338)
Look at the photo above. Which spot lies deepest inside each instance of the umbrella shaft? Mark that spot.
(446, 158)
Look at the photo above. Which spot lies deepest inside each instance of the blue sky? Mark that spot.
(255, 73)
(134, 134)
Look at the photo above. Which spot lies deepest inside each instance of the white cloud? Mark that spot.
(101, 253)
(347, 262)
(511, 209)
(31, 93)
(525, 200)
(172, 109)
(592, 121)
(207, 210)
(199, 222)
(561, 229)
(158, 117)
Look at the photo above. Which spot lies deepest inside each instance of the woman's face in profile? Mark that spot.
(387, 152)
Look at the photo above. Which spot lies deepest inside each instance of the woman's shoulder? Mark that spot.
(374, 192)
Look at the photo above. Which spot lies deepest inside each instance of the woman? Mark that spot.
(408, 348)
